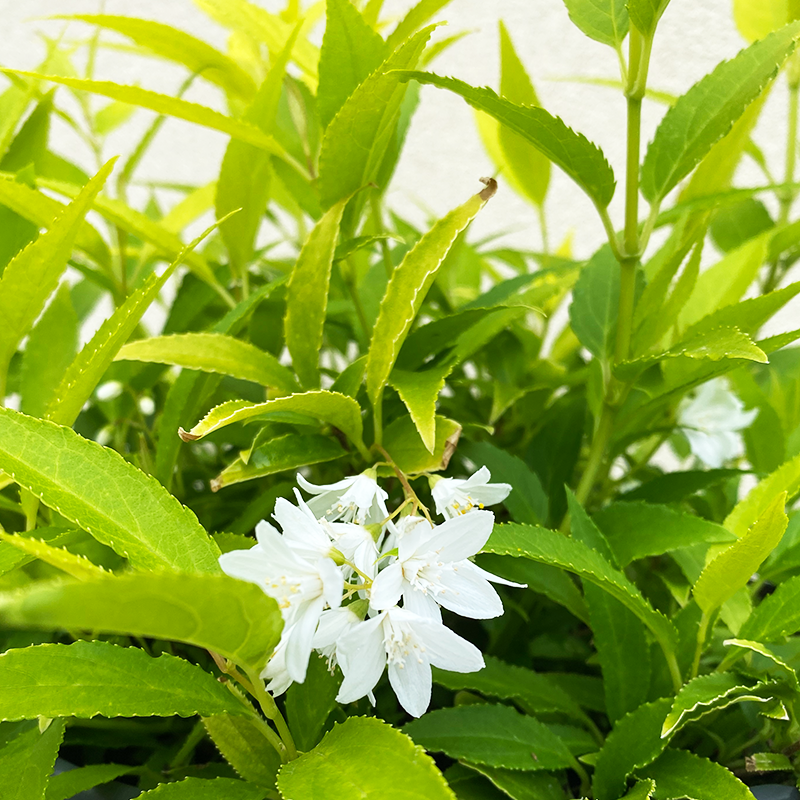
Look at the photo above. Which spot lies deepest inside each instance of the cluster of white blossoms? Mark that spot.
(366, 591)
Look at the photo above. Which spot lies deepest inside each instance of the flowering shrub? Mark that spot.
(521, 558)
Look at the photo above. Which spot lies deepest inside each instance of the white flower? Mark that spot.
(410, 644)
(356, 499)
(333, 625)
(275, 673)
(711, 421)
(302, 579)
(356, 544)
(454, 496)
(432, 568)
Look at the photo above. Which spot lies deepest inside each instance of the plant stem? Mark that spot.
(600, 441)
(272, 712)
(702, 632)
(184, 755)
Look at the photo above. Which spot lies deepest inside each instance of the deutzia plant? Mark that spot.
(367, 593)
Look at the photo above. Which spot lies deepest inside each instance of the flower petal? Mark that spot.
(247, 565)
(362, 657)
(300, 642)
(462, 536)
(447, 650)
(420, 603)
(411, 681)
(493, 578)
(386, 588)
(468, 594)
(332, 582)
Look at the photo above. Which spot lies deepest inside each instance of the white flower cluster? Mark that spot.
(365, 591)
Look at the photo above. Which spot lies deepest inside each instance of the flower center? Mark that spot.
(401, 644)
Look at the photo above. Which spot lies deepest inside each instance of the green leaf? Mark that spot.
(745, 513)
(605, 21)
(51, 346)
(26, 762)
(363, 757)
(703, 115)
(199, 789)
(232, 617)
(351, 51)
(94, 487)
(634, 742)
(583, 161)
(636, 530)
(756, 20)
(336, 409)
(12, 557)
(678, 773)
(242, 744)
(419, 392)
(417, 16)
(357, 138)
(495, 735)
(77, 566)
(31, 276)
(309, 704)
(595, 302)
(403, 443)
(176, 45)
(66, 785)
(520, 785)
(549, 547)
(407, 288)
(645, 14)
(708, 693)
(84, 679)
(733, 567)
(165, 104)
(212, 352)
(282, 453)
(777, 616)
(307, 295)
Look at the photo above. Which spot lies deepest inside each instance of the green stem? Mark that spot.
(272, 712)
(702, 632)
(184, 755)
(600, 441)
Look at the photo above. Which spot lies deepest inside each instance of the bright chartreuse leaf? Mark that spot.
(583, 161)
(745, 513)
(282, 453)
(529, 168)
(309, 704)
(636, 530)
(777, 616)
(364, 757)
(634, 742)
(595, 304)
(645, 14)
(357, 138)
(733, 567)
(351, 51)
(549, 547)
(417, 16)
(96, 488)
(703, 115)
(231, 617)
(165, 104)
(26, 761)
(86, 679)
(31, 276)
(212, 352)
(307, 295)
(176, 45)
(678, 773)
(336, 409)
(404, 444)
(242, 744)
(201, 789)
(50, 348)
(605, 21)
(77, 566)
(66, 785)
(495, 735)
(408, 286)
(756, 20)
(419, 392)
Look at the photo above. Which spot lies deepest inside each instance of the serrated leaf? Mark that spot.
(404, 445)
(419, 392)
(75, 565)
(176, 45)
(595, 303)
(583, 161)
(636, 530)
(495, 735)
(212, 352)
(31, 276)
(66, 785)
(243, 746)
(518, 785)
(86, 679)
(26, 762)
(199, 789)
(234, 618)
(167, 105)
(605, 21)
(549, 547)
(703, 115)
(678, 773)
(357, 138)
(307, 295)
(756, 20)
(645, 14)
(96, 488)
(363, 757)
(634, 742)
(417, 16)
(733, 567)
(351, 51)
(407, 288)
(336, 409)
(289, 452)
(12, 557)
(777, 615)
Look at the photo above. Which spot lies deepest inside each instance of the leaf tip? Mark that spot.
(187, 436)
(489, 192)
